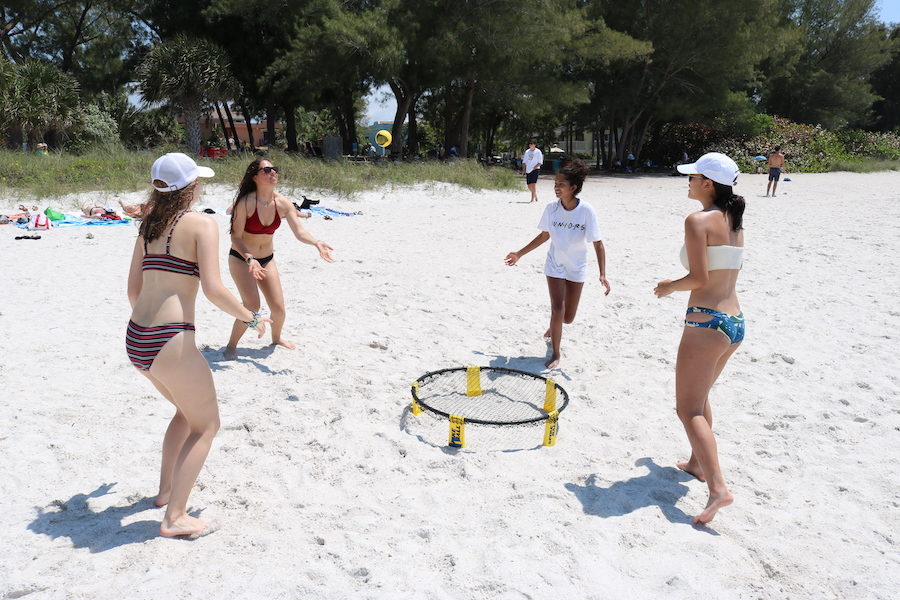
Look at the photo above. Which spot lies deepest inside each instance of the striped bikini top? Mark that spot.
(167, 262)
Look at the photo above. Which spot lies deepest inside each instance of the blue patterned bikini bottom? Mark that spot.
(732, 327)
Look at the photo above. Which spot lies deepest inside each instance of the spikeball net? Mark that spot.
(489, 396)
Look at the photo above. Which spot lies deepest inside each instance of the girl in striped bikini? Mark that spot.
(175, 253)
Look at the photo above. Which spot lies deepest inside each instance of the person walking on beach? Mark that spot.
(174, 255)
(532, 160)
(257, 212)
(570, 224)
(776, 164)
(713, 253)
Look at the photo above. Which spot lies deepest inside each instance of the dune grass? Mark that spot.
(866, 165)
(118, 170)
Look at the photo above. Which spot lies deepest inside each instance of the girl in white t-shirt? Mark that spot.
(569, 224)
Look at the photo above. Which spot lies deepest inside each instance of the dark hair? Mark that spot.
(574, 171)
(731, 204)
(777, 148)
(533, 141)
(162, 207)
(247, 185)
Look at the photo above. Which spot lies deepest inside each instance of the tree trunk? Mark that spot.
(290, 121)
(192, 116)
(271, 107)
(465, 117)
(350, 124)
(247, 123)
(412, 132)
(404, 96)
(234, 133)
(222, 124)
(69, 52)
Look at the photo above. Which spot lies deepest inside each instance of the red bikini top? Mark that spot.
(253, 225)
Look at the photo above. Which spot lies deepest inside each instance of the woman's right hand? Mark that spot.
(257, 271)
(511, 258)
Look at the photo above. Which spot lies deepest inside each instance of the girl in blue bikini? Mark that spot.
(177, 252)
(714, 325)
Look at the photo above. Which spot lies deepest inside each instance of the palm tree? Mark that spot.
(188, 73)
(39, 98)
(7, 72)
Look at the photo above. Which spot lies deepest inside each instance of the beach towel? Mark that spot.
(322, 211)
(74, 220)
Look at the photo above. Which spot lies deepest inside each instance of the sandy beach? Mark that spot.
(326, 487)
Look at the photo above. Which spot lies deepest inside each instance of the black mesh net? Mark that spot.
(508, 397)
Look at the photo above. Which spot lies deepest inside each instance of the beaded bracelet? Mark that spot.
(253, 322)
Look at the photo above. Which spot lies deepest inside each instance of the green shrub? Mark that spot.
(122, 170)
(93, 127)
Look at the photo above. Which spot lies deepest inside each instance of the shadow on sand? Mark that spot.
(97, 531)
(661, 487)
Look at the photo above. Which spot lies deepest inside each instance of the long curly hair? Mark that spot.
(247, 185)
(162, 207)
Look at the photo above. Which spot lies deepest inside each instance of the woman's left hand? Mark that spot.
(663, 288)
(605, 284)
(257, 271)
(324, 251)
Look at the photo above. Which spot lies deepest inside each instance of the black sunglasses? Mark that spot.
(268, 170)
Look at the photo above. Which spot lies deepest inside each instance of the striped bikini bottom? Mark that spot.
(143, 343)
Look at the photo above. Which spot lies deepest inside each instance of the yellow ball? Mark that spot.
(383, 138)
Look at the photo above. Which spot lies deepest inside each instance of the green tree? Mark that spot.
(93, 40)
(188, 73)
(41, 99)
(825, 78)
(702, 50)
(886, 83)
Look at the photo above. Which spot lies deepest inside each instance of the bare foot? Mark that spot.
(553, 362)
(713, 506)
(230, 353)
(284, 343)
(183, 525)
(692, 468)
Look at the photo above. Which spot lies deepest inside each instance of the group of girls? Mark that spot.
(176, 253)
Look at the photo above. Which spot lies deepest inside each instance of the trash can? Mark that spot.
(556, 164)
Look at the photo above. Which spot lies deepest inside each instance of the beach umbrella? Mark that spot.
(759, 157)
(556, 149)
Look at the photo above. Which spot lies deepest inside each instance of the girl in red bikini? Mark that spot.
(257, 212)
(175, 252)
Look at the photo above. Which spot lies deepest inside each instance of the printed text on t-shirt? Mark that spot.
(569, 225)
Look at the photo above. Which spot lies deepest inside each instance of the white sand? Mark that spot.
(324, 486)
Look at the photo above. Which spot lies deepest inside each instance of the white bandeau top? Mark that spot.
(718, 257)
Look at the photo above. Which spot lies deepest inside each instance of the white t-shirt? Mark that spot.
(531, 159)
(570, 232)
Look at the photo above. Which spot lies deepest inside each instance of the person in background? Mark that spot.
(776, 164)
(532, 160)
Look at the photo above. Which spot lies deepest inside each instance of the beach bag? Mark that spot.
(40, 221)
(54, 215)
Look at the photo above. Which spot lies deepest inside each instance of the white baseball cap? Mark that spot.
(715, 166)
(177, 171)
